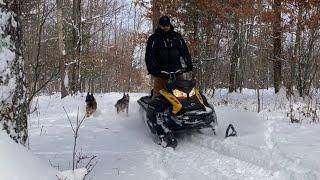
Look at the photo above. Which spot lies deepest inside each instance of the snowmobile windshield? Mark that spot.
(184, 85)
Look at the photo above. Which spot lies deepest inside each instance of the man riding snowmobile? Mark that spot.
(164, 51)
(175, 104)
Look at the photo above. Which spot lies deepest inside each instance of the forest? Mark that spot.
(98, 45)
(260, 56)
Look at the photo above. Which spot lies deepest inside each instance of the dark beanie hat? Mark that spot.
(164, 21)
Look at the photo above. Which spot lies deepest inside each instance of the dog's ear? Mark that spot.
(88, 94)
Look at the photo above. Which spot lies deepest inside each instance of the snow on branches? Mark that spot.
(13, 107)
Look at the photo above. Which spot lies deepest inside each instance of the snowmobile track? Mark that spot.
(274, 161)
(233, 160)
(191, 161)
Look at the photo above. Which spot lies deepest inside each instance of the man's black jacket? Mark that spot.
(164, 50)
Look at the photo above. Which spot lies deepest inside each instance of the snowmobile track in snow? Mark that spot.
(229, 159)
(274, 161)
(191, 161)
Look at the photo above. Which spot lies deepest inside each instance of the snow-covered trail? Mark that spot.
(125, 149)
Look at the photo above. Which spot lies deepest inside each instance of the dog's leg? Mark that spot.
(87, 112)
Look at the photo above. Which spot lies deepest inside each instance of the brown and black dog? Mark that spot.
(123, 104)
(91, 104)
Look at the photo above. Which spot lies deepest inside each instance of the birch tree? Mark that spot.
(13, 105)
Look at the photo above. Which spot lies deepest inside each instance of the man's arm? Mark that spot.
(185, 53)
(149, 57)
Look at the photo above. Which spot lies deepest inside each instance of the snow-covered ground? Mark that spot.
(18, 163)
(267, 146)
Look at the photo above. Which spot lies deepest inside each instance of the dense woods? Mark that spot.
(72, 46)
(249, 44)
(248, 56)
(99, 46)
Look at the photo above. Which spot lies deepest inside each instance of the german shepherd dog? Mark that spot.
(123, 104)
(91, 104)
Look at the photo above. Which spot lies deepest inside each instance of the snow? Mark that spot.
(6, 57)
(17, 163)
(268, 146)
(77, 174)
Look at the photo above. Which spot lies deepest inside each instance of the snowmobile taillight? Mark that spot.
(179, 94)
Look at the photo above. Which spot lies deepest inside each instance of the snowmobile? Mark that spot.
(180, 107)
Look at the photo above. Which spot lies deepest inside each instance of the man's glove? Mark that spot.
(189, 68)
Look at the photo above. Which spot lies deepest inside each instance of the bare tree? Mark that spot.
(234, 57)
(155, 13)
(277, 64)
(76, 45)
(78, 159)
(62, 67)
(75, 129)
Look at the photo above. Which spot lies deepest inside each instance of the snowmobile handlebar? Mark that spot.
(173, 75)
(179, 71)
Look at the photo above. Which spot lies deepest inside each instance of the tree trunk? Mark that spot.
(296, 56)
(309, 66)
(197, 73)
(13, 106)
(234, 57)
(258, 99)
(277, 65)
(62, 67)
(155, 14)
(76, 34)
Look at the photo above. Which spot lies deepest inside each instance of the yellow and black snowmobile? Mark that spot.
(180, 106)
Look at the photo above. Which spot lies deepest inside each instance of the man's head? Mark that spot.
(164, 23)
